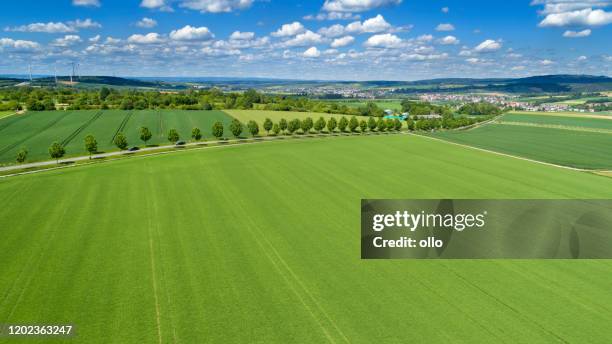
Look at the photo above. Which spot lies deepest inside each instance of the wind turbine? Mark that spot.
(30, 72)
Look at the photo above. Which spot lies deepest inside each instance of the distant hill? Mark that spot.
(99, 80)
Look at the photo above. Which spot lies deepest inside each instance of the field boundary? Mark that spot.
(506, 155)
(195, 146)
(556, 126)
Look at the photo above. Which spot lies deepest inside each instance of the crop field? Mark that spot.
(260, 115)
(183, 248)
(36, 131)
(6, 113)
(560, 121)
(573, 148)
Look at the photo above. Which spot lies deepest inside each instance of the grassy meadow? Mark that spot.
(183, 248)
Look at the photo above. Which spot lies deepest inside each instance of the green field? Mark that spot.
(581, 149)
(570, 122)
(183, 248)
(36, 131)
(6, 113)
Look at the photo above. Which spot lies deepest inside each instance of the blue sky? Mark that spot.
(316, 39)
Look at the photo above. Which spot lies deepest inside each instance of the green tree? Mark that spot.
(56, 151)
(293, 125)
(22, 155)
(390, 125)
(104, 93)
(319, 124)
(306, 125)
(276, 129)
(145, 134)
(121, 141)
(91, 145)
(342, 124)
(397, 124)
(282, 124)
(268, 125)
(196, 134)
(353, 124)
(363, 125)
(331, 125)
(236, 128)
(371, 123)
(381, 125)
(217, 130)
(173, 136)
(253, 128)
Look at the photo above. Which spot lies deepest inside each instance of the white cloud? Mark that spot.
(241, 36)
(546, 62)
(50, 27)
(488, 45)
(474, 60)
(577, 34)
(582, 58)
(150, 38)
(190, 33)
(289, 30)
(216, 6)
(518, 68)
(95, 39)
(160, 5)
(86, 3)
(304, 39)
(584, 17)
(445, 10)
(372, 25)
(332, 31)
(386, 40)
(66, 41)
(208, 51)
(445, 27)
(425, 38)
(18, 45)
(423, 57)
(84, 24)
(448, 40)
(559, 6)
(356, 5)
(111, 40)
(147, 23)
(312, 52)
(342, 42)
(333, 16)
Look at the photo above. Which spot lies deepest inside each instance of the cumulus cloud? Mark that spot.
(584, 17)
(372, 25)
(18, 45)
(423, 57)
(287, 30)
(333, 16)
(577, 34)
(448, 40)
(332, 31)
(546, 62)
(386, 40)
(66, 41)
(425, 38)
(240, 36)
(445, 27)
(56, 27)
(356, 5)
(210, 51)
(304, 39)
(95, 39)
(146, 23)
(444, 9)
(487, 46)
(190, 33)
(342, 42)
(582, 58)
(150, 38)
(156, 4)
(311, 52)
(216, 6)
(86, 3)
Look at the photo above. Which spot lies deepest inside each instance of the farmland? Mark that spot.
(570, 141)
(6, 113)
(392, 104)
(37, 130)
(184, 248)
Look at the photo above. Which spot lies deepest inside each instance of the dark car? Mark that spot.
(133, 149)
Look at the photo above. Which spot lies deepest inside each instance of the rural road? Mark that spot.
(158, 148)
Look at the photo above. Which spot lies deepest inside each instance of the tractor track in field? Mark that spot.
(124, 122)
(160, 124)
(16, 120)
(45, 128)
(81, 128)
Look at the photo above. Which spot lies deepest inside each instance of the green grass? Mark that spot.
(185, 248)
(6, 113)
(581, 149)
(36, 131)
(586, 122)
